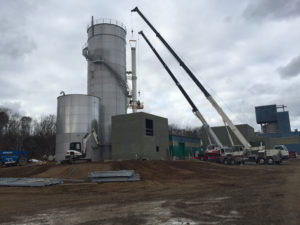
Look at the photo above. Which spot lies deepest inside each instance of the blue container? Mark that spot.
(13, 157)
(266, 114)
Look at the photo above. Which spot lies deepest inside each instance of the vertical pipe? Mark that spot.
(92, 25)
(134, 78)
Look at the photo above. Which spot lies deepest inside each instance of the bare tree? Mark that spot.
(4, 118)
(26, 126)
(44, 132)
(23, 133)
(13, 138)
(187, 131)
(47, 126)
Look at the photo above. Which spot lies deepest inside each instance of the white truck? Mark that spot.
(284, 151)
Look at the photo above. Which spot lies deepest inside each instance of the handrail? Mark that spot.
(106, 21)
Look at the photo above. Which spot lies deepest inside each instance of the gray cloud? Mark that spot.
(15, 42)
(272, 9)
(292, 69)
(14, 106)
(289, 96)
(234, 58)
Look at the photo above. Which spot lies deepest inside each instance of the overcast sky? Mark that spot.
(246, 53)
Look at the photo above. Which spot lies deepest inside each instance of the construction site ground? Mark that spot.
(171, 192)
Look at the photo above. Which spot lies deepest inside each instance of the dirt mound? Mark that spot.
(149, 170)
(24, 171)
(75, 171)
(52, 170)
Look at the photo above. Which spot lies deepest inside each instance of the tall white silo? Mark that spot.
(106, 56)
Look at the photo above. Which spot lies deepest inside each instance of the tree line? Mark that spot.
(18, 132)
(187, 131)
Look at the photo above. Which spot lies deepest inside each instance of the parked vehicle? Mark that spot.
(13, 157)
(232, 156)
(292, 155)
(284, 151)
(212, 155)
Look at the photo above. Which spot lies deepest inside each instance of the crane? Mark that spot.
(269, 155)
(196, 111)
(208, 96)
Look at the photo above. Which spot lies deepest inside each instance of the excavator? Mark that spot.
(78, 150)
(235, 154)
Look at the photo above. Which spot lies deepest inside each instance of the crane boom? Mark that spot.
(237, 133)
(194, 107)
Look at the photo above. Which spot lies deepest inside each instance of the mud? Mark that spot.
(171, 192)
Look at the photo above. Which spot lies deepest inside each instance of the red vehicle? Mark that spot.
(292, 155)
(212, 155)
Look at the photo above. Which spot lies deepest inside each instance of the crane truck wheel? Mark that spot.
(261, 161)
(232, 162)
(226, 162)
(270, 161)
(278, 162)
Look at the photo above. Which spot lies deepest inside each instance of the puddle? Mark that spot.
(218, 199)
(156, 212)
(179, 221)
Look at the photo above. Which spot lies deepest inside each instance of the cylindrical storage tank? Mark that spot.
(77, 116)
(106, 56)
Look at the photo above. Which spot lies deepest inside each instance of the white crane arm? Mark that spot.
(208, 128)
(237, 133)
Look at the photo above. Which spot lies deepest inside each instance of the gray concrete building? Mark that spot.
(139, 136)
(254, 138)
(246, 130)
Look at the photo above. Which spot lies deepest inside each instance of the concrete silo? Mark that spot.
(77, 116)
(106, 56)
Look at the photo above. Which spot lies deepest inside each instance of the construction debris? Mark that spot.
(29, 182)
(94, 177)
(114, 176)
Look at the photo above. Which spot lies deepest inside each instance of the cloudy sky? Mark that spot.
(245, 52)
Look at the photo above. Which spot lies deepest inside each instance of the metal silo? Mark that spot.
(106, 56)
(77, 116)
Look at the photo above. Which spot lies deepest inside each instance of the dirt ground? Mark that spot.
(171, 192)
